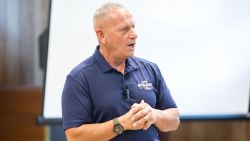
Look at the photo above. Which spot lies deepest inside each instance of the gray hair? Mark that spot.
(104, 11)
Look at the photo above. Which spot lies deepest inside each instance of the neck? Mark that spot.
(117, 63)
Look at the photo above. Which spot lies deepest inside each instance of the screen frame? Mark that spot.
(48, 121)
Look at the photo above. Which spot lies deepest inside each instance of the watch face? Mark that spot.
(118, 129)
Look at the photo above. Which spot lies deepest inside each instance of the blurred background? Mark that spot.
(23, 28)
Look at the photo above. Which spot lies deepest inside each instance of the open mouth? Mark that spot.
(132, 45)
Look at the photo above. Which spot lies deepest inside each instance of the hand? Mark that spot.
(127, 122)
(145, 115)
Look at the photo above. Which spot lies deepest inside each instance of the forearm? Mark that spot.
(167, 120)
(91, 132)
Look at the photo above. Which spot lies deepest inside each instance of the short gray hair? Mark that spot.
(104, 11)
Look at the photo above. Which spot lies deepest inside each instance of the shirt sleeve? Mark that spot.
(76, 103)
(164, 98)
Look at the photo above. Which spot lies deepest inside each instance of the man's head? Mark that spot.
(114, 27)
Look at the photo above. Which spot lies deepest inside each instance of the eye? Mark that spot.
(126, 28)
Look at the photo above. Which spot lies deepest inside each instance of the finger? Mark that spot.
(149, 122)
(142, 101)
(138, 107)
(147, 125)
(140, 114)
(131, 112)
(136, 104)
(141, 122)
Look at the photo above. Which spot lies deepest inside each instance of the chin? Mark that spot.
(131, 54)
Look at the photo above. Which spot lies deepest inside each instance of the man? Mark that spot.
(113, 95)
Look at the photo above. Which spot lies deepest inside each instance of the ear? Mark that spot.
(101, 36)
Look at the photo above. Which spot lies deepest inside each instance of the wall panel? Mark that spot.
(3, 41)
(19, 109)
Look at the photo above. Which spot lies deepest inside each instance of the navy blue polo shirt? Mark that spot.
(94, 92)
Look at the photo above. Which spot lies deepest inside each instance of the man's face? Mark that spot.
(120, 34)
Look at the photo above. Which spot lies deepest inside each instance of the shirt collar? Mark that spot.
(104, 65)
(130, 65)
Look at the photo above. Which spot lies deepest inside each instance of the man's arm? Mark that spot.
(91, 132)
(102, 131)
(167, 120)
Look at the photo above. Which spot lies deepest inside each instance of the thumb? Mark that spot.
(142, 101)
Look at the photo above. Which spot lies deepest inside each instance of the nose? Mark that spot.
(132, 34)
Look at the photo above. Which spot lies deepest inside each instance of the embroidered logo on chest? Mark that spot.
(145, 85)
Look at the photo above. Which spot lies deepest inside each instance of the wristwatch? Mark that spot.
(118, 128)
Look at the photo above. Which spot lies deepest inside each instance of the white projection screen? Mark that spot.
(201, 46)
